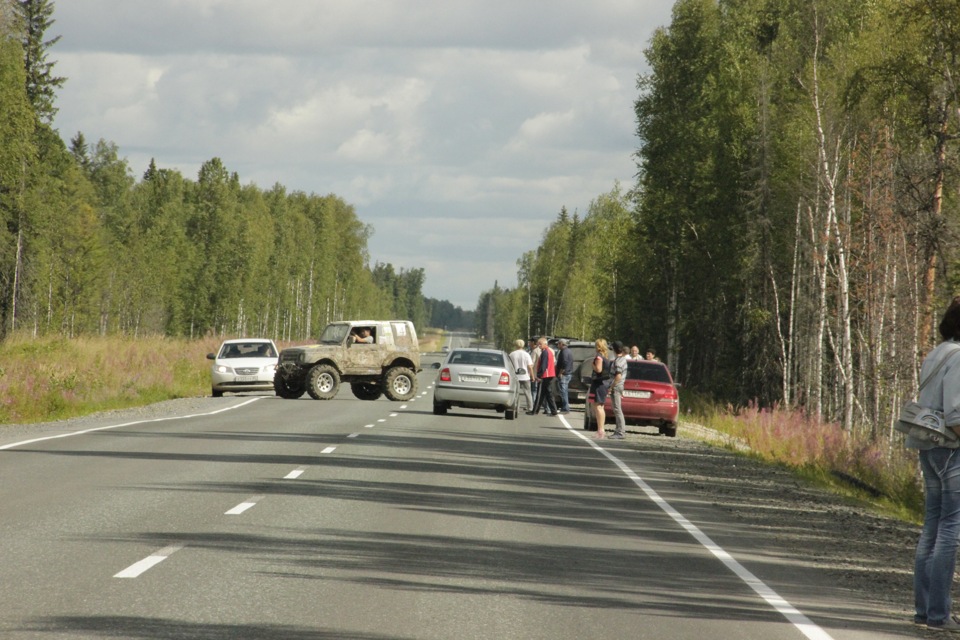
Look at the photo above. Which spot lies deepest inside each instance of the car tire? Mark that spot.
(439, 409)
(400, 384)
(669, 430)
(511, 413)
(287, 388)
(366, 390)
(323, 382)
(216, 393)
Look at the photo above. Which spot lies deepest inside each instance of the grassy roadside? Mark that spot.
(867, 468)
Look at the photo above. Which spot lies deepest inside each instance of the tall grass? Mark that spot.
(54, 377)
(883, 469)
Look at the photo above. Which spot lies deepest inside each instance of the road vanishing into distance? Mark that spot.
(263, 518)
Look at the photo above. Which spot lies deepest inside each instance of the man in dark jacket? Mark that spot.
(564, 374)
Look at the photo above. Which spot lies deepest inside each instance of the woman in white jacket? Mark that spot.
(937, 549)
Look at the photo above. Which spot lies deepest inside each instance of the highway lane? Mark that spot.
(352, 519)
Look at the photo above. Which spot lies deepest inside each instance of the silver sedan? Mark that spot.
(477, 379)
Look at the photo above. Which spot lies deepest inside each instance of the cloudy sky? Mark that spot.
(456, 128)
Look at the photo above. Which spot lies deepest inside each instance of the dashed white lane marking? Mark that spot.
(382, 420)
(296, 473)
(787, 610)
(243, 506)
(150, 561)
(353, 435)
(403, 406)
(393, 415)
(125, 424)
(329, 450)
(368, 426)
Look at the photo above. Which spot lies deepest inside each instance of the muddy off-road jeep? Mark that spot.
(375, 357)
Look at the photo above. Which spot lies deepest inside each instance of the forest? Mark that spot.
(790, 240)
(89, 248)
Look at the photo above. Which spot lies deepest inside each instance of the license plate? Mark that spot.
(246, 378)
(636, 394)
(473, 378)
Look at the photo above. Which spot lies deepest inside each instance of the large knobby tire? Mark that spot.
(366, 390)
(287, 388)
(400, 384)
(323, 382)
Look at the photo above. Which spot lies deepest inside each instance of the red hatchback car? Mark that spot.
(650, 398)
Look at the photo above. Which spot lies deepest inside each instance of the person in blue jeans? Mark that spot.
(936, 555)
(564, 375)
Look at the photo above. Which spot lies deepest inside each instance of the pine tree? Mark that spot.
(41, 83)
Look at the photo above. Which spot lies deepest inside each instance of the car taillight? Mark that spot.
(670, 395)
(504, 378)
(445, 375)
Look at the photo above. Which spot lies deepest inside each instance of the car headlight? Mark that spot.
(270, 368)
(221, 368)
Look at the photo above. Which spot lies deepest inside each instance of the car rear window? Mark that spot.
(650, 371)
(477, 358)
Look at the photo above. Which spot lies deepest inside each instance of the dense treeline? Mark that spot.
(88, 248)
(791, 236)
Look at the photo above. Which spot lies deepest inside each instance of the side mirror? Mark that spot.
(436, 365)
(211, 356)
(521, 371)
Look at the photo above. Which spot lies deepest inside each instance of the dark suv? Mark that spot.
(583, 352)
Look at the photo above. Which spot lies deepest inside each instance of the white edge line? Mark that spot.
(803, 624)
(125, 424)
(149, 562)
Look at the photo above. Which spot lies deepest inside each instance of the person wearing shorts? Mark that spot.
(598, 387)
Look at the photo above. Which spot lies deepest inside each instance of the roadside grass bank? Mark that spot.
(866, 467)
(53, 378)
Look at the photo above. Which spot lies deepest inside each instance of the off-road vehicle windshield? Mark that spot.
(334, 334)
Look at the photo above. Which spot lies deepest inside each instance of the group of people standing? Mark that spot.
(540, 368)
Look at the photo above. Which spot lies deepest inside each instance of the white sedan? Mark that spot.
(248, 364)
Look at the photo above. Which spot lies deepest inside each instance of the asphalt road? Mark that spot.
(264, 518)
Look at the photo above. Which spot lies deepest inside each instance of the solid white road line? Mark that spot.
(152, 560)
(125, 424)
(787, 610)
(243, 506)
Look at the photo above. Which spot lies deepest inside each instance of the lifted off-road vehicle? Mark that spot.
(376, 357)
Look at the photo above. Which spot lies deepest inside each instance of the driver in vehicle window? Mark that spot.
(362, 335)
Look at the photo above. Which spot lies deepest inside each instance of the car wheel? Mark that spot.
(511, 413)
(323, 382)
(216, 393)
(669, 430)
(287, 388)
(439, 409)
(588, 423)
(366, 390)
(400, 383)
